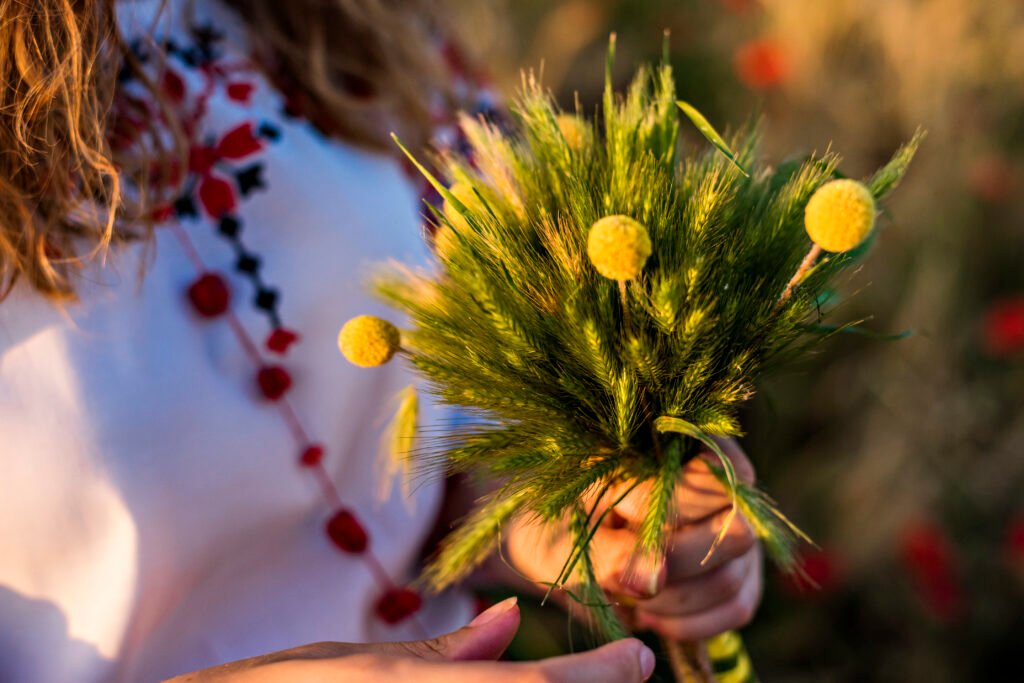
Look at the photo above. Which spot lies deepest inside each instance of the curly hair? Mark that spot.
(62, 197)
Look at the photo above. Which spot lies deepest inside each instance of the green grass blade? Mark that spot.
(709, 132)
(437, 184)
(666, 423)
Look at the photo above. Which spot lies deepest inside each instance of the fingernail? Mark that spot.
(493, 612)
(653, 583)
(643, 576)
(639, 585)
(646, 661)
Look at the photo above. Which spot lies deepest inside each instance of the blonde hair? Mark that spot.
(352, 62)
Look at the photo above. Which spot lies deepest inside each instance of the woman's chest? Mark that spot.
(141, 451)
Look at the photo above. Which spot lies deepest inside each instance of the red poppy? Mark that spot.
(928, 557)
(817, 572)
(1003, 327)
(991, 178)
(761, 64)
(738, 6)
(1015, 541)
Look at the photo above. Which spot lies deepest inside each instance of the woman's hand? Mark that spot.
(464, 656)
(676, 596)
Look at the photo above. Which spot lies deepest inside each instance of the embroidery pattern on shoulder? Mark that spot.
(224, 167)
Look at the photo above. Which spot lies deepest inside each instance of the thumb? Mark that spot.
(624, 660)
(486, 637)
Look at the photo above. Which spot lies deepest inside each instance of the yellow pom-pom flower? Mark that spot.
(575, 130)
(618, 247)
(368, 341)
(840, 215)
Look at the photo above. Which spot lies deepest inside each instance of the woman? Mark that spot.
(189, 194)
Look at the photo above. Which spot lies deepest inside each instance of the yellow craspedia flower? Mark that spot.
(618, 247)
(575, 130)
(368, 341)
(840, 215)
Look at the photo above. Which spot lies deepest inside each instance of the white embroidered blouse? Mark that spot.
(154, 515)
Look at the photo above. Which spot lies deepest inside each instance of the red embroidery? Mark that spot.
(218, 187)
(126, 127)
(280, 339)
(240, 92)
(173, 86)
(347, 532)
(312, 456)
(209, 295)
(201, 159)
(239, 142)
(217, 196)
(161, 213)
(398, 604)
(274, 381)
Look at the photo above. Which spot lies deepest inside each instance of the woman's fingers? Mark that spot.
(452, 658)
(704, 592)
(540, 551)
(698, 495)
(732, 614)
(625, 661)
(689, 545)
(740, 462)
(701, 508)
(620, 569)
(486, 637)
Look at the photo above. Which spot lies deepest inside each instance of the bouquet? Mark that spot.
(602, 307)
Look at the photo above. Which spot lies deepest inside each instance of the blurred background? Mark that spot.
(904, 460)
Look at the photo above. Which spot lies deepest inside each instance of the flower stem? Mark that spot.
(625, 305)
(689, 661)
(801, 272)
